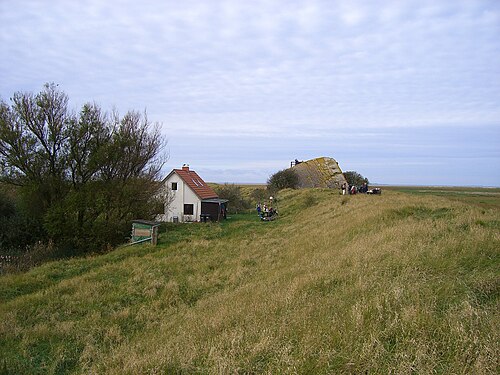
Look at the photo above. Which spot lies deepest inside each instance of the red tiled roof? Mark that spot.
(195, 182)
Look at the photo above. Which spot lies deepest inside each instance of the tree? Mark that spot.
(354, 178)
(286, 178)
(259, 195)
(232, 193)
(84, 175)
(32, 141)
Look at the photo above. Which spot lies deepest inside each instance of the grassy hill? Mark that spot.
(400, 283)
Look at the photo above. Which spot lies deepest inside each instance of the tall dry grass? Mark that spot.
(380, 284)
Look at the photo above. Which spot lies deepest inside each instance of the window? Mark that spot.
(174, 185)
(188, 209)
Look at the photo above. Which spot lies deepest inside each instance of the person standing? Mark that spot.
(344, 188)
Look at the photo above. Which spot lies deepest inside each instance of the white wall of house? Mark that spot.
(183, 195)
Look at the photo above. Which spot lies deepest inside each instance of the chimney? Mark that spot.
(185, 167)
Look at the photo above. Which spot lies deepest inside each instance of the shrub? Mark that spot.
(354, 178)
(283, 179)
(232, 193)
(259, 195)
(18, 229)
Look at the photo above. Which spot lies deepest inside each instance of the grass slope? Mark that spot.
(399, 283)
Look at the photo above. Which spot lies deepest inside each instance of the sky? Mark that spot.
(403, 92)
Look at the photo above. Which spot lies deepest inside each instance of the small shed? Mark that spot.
(145, 230)
(214, 209)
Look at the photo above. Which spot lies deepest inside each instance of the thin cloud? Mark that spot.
(273, 70)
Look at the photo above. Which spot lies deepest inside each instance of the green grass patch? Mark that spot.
(422, 213)
(482, 197)
(397, 283)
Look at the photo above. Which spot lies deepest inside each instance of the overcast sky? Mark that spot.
(404, 92)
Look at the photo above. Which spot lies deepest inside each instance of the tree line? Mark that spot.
(73, 180)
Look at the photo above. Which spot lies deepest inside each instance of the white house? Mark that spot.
(189, 198)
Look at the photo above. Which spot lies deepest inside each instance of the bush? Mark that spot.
(284, 179)
(232, 193)
(18, 229)
(259, 195)
(34, 255)
(354, 178)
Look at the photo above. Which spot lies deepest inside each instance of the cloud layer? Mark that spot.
(279, 79)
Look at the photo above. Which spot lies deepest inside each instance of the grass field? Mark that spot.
(483, 197)
(404, 283)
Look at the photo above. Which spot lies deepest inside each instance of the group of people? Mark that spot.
(264, 208)
(352, 189)
(265, 211)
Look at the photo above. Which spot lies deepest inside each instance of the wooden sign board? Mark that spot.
(142, 232)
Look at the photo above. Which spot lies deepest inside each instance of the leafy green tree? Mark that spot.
(83, 175)
(354, 178)
(32, 141)
(232, 193)
(259, 195)
(286, 178)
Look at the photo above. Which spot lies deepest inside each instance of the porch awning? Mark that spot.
(215, 200)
